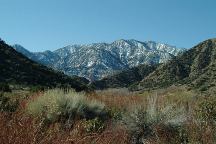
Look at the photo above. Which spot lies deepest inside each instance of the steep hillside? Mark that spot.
(99, 60)
(195, 67)
(18, 69)
(125, 78)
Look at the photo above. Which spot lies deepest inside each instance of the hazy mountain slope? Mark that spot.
(196, 67)
(98, 60)
(18, 69)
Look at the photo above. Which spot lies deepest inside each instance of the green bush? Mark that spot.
(115, 114)
(203, 88)
(6, 104)
(37, 88)
(65, 106)
(94, 125)
(4, 87)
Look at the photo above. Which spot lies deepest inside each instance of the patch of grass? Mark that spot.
(94, 125)
(115, 92)
(116, 114)
(6, 104)
(206, 111)
(65, 106)
(117, 98)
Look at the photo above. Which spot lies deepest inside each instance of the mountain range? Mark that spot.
(195, 68)
(15, 68)
(99, 60)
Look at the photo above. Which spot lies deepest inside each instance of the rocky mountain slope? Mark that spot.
(195, 67)
(98, 60)
(16, 68)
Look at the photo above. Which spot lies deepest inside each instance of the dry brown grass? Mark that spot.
(118, 98)
(20, 128)
(16, 128)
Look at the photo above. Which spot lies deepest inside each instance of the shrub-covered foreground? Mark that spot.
(174, 115)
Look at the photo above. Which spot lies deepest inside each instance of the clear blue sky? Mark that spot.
(42, 25)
